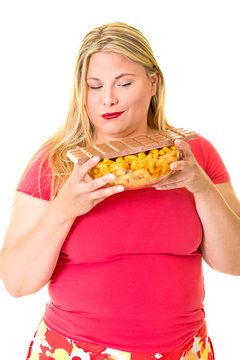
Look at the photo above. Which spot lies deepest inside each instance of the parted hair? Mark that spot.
(77, 129)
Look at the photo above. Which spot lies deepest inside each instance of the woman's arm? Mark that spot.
(218, 209)
(32, 244)
(38, 229)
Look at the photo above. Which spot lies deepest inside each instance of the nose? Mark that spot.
(109, 96)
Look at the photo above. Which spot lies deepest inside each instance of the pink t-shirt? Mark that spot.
(129, 275)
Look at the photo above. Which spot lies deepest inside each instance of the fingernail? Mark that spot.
(120, 188)
(111, 176)
(96, 158)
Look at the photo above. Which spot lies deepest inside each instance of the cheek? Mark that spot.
(91, 104)
(141, 101)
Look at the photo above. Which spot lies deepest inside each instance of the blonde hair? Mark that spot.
(115, 37)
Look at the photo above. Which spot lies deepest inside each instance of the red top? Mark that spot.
(129, 275)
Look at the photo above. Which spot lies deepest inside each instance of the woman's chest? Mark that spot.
(136, 222)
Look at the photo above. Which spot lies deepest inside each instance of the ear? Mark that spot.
(154, 83)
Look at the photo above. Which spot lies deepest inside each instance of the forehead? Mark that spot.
(110, 62)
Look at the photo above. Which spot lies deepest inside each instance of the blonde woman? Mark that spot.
(124, 268)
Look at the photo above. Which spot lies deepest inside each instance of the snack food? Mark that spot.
(137, 162)
(137, 170)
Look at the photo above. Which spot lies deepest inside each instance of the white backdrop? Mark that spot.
(197, 46)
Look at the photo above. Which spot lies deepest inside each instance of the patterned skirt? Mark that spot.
(49, 345)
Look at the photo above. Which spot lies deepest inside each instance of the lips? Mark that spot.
(114, 115)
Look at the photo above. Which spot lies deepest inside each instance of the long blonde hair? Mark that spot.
(78, 130)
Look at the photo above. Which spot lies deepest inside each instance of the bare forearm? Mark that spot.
(29, 260)
(221, 230)
(27, 264)
(217, 206)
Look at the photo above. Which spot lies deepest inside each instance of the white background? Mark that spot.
(197, 46)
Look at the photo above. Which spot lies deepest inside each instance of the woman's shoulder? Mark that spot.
(36, 178)
(209, 159)
(200, 143)
(200, 140)
(203, 148)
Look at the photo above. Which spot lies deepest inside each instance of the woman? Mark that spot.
(124, 267)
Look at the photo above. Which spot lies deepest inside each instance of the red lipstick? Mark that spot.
(114, 115)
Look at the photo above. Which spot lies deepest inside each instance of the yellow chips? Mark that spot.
(137, 170)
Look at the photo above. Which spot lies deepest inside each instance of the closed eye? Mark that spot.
(100, 86)
(95, 87)
(124, 85)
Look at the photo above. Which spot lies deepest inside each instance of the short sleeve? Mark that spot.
(36, 180)
(209, 159)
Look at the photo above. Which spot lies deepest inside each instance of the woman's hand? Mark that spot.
(189, 173)
(78, 196)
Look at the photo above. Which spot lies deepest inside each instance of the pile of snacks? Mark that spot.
(138, 170)
(137, 162)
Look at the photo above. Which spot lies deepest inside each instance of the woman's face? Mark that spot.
(118, 96)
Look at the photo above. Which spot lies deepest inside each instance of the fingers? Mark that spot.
(187, 159)
(173, 181)
(184, 148)
(80, 171)
(94, 188)
(178, 165)
(96, 185)
(102, 194)
(99, 182)
(169, 186)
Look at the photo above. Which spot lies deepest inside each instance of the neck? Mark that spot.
(100, 138)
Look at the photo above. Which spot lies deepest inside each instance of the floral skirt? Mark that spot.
(49, 345)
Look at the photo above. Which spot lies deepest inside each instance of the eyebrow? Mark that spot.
(116, 78)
